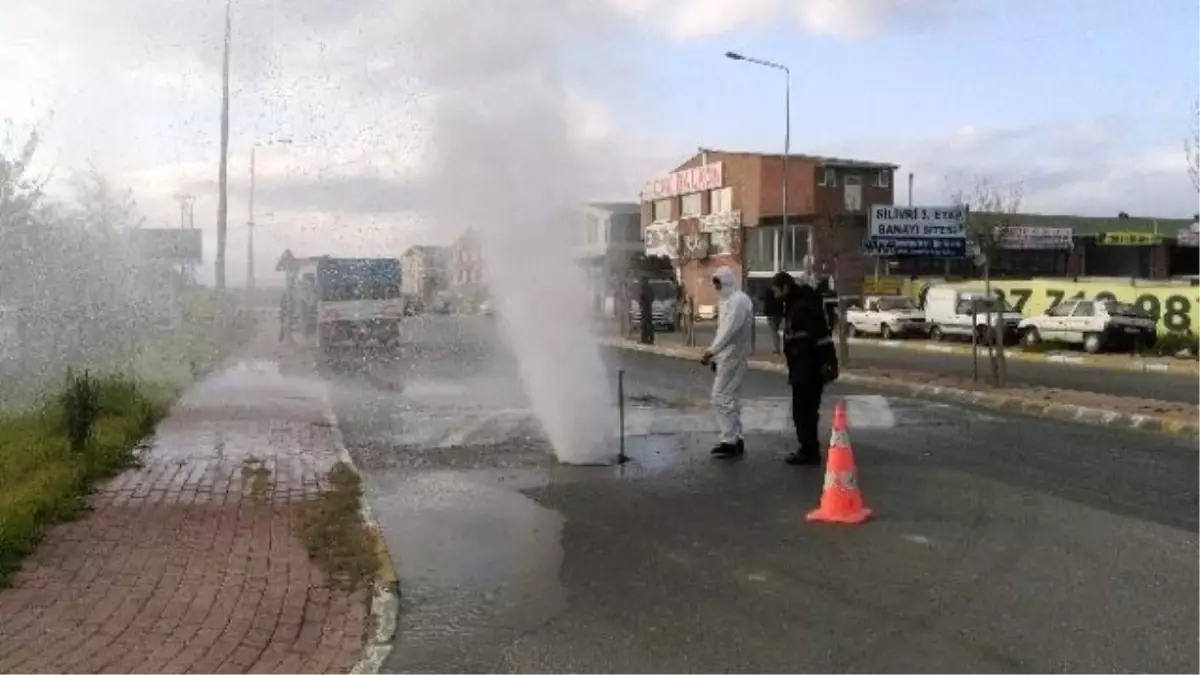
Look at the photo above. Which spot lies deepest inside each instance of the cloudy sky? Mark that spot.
(409, 119)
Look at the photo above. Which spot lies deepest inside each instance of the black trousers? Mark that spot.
(647, 328)
(806, 413)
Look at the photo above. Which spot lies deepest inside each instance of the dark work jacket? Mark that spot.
(772, 306)
(808, 343)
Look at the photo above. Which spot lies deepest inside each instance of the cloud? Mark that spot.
(686, 20)
(1093, 166)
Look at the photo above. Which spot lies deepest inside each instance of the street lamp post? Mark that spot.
(223, 166)
(787, 148)
(250, 222)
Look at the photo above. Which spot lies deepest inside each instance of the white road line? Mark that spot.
(870, 411)
(459, 436)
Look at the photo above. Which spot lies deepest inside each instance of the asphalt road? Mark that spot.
(1163, 387)
(1001, 543)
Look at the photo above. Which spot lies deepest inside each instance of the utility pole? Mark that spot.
(222, 172)
(250, 221)
(250, 231)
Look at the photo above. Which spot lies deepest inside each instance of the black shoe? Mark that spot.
(799, 458)
(729, 450)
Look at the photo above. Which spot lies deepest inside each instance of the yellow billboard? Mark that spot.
(1129, 239)
(1175, 307)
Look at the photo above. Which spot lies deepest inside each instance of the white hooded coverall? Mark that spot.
(731, 353)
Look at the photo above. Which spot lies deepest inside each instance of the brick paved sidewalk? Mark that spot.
(188, 564)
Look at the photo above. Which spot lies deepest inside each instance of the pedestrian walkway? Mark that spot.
(190, 563)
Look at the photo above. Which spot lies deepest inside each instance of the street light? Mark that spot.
(787, 119)
(250, 222)
(787, 147)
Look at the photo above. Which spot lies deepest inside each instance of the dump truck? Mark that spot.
(359, 304)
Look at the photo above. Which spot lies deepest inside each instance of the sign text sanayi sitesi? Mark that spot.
(918, 221)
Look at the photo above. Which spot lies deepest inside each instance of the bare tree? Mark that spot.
(992, 213)
(1191, 147)
(837, 234)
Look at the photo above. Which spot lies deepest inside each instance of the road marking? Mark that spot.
(917, 539)
(946, 349)
(1058, 358)
(459, 436)
(870, 411)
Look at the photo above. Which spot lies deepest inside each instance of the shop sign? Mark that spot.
(662, 239)
(720, 221)
(1173, 307)
(1128, 239)
(1028, 238)
(917, 231)
(697, 179)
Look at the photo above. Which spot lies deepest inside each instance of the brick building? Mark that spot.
(725, 208)
(467, 279)
(424, 272)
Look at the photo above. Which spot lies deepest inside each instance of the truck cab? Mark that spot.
(665, 311)
(358, 303)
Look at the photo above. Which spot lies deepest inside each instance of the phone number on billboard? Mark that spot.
(1172, 311)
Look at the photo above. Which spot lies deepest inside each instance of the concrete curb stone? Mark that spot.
(1135, 364)
(1023, 405)
(385, 595)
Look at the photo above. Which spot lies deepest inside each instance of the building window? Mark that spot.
(662, 210)
(691, 206)
(883, 179)
(770, 248)
(828, 177)
(720, 200)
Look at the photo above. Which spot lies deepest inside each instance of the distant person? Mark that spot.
(811, 362)
(285, 316)
(646, 309)
(773, 309)
(730, 355)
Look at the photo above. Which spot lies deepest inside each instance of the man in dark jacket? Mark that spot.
(811, 361)
(646, 309)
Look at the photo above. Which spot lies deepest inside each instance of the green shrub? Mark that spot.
(1170, 344)
(51, 457)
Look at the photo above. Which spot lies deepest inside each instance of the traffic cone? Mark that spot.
(841, 502)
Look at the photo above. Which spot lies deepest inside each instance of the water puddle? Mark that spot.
(478, 561)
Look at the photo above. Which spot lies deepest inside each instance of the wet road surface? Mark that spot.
(1002, 543)
(1161, 386)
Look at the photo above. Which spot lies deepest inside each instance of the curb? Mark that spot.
(1006, 402)
(1133, 363)
(385, 596)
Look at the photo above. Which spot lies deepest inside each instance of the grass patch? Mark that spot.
(334, 532)
(51, 457)
(88, 428)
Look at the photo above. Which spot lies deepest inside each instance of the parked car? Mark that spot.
(964, 313)
(1093, 324)
(886, 317)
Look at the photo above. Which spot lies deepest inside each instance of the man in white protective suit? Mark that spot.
(730, 352)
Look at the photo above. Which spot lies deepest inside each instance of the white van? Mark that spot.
(963, 313)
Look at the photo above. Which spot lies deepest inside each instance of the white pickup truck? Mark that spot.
(887, 317)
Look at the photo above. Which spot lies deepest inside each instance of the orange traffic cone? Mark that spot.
(841, 502)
